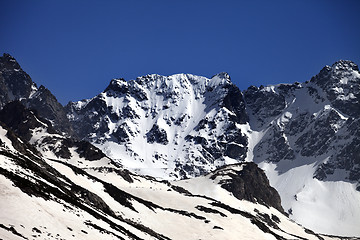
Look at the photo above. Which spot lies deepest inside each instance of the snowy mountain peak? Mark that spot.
(154, 111)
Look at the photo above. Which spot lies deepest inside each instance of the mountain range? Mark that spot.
(150, 157)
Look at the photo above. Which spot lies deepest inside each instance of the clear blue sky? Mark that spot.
(75, 48)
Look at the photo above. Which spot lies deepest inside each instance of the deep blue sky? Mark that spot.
(75, 48)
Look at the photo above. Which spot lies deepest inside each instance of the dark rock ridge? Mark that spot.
(247, 181)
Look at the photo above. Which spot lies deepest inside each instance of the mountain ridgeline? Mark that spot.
(304, 136)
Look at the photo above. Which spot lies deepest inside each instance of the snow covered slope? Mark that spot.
(44, 198)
